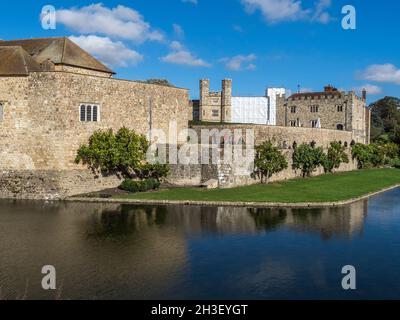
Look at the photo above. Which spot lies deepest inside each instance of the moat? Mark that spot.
(113, 251)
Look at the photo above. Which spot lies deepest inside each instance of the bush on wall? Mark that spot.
(307, 158)
(335, 156)
(121, 153)
(268, 161)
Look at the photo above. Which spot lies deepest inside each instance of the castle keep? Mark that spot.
(54, 96)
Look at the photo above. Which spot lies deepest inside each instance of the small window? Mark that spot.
(293, 109)
(83, 113)
(1, 111)
(314, 123)
(89, 113)
(314, 109)
(340, 127)
(94, 112)
(215, 113)
(293, 123)
(340, 108)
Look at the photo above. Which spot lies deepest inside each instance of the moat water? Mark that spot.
(111, 251)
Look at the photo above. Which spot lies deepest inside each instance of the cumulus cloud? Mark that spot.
(119, 22)
(239, 62)
(181, 55)
(388, 73)
(110, 52)
(275, 11)
(371, 89)
(178, 30)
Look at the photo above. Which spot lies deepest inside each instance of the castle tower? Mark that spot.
(204, 94)
(226, 101)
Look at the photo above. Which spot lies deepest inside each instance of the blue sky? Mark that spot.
(257, 43)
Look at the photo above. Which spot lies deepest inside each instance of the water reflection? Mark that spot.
(122, 220)
(118, 251)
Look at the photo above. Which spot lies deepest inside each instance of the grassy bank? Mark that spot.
(326, 188)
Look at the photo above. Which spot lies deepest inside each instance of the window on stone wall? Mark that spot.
(340, 108)
(215, 113)
(1, 111)
(293, 109)
(293, 123)
(314, 123)
(89, 113)
(314, 109)
(340, 127)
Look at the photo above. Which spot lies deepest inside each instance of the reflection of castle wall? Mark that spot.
(343, 221)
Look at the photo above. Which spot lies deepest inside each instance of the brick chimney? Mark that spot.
(364, 95)
(330, 88)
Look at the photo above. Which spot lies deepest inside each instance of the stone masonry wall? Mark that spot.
(41, 128)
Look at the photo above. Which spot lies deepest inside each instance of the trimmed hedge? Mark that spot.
(135, 186)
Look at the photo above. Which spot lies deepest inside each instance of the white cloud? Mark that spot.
(190, 1)
(181, 55)
(236, 63)
(119, 22)
(371, 89)
(107, 51)
(178, 30)
(381, 73)
(275, 11)
(320, 14)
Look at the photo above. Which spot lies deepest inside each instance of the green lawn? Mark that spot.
(326, 188)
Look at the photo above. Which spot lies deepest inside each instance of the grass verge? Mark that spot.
(325, 188)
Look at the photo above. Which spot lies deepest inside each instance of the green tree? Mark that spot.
(123, 152)
(335, 156)
(161, 82)
(268, 161)
(307, 159)
(395, 135)
(385, 115)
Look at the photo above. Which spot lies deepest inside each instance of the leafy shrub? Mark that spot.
(307, 159)
(135, 186)
(335, 156)
(123, 152)
(374, 155)
(269, 160)
(395, 163)
(154, 171)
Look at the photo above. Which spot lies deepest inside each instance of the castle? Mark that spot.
(54, 96)
(329, 109)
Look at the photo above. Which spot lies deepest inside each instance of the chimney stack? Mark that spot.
(364, 95)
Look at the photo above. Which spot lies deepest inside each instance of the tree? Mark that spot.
(395, 135)
(123, 152)
(268, 161)
(335, 156)
(372, 155)
(385, 115)
(161, 82)
(307, 159)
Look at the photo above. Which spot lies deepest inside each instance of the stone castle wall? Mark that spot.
(344, 109)
(41, 128)
(233, 175)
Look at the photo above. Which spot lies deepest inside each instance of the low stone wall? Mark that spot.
(236, 174)
(52, 185)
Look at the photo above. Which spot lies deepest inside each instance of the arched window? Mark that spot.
(340, 127)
